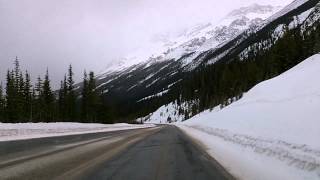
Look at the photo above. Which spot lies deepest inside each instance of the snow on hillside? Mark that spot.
(198, 38)
(295, 4)
(272, 132)
(171, 113)
(305, 19)
(165, 114)
(9, 131)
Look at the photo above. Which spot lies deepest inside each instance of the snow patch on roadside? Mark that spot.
(247, 158)
(297, 155)
(20, 131)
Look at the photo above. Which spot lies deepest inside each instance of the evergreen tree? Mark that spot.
(48, 99)
(38, 107)
(84, 93)
(10, 97)
(20, 99)
(2, 104)
(93, 99)
(17, 93)
(17, 72)
(71, 96)
(27, 94)
(62, 100)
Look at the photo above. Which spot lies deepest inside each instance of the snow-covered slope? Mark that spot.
(272, 132)
(198, 38)
(152, 70)
(303, 14)
(295, 4)
(165, 114)
(140, 88)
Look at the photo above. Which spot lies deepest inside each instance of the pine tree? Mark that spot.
(21, 99)
(10, 98)
(38, 107)
(27, 97)
(71, 97)
(93, 98)
(61, 101)
(48, 99)
(17, 72)
(2, 104)
(17, 95)
(84, 103)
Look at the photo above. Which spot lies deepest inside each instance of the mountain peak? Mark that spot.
(199, 37)
(253, 8)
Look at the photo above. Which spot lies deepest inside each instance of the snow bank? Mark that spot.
(21, 131)
(272, 132)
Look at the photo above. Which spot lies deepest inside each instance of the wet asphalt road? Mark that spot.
(163, 153)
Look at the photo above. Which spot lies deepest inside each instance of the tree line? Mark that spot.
(22, 101)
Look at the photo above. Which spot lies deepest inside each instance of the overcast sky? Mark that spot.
(91, 33)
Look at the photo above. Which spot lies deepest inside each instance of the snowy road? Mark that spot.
(153, 153)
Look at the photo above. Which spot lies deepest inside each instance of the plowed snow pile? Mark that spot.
(273, 132)
(19, 131)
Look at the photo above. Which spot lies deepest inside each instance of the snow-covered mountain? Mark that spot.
(142, 85)
(198, 38)
(170, 54)
(299, 17)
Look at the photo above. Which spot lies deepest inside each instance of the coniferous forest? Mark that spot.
(24, 101)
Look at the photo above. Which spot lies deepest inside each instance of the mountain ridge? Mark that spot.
(256, 42)
(190, 39)
(143, 88)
